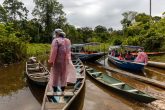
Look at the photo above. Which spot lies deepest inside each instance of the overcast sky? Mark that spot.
(91, 13)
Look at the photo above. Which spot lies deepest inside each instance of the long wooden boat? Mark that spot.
(122, 63)
(37, 73)
(125, 64)
(79, 51)
(61, 101)
(119, 86)
(156, 64)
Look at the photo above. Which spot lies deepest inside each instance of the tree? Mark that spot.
(100, 29)
(142, 17)
(49, 12)
(15, 9)
(86, 33)
(129, 18)
(3, 14)
(156, 18)
(110, 29)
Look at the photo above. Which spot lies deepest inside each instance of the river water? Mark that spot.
(17, 93)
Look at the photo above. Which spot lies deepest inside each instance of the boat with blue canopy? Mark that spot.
(115, 53)
(82, 51)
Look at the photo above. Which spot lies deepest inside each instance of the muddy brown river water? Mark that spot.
(17, 93)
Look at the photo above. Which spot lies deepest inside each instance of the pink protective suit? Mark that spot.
(62, 70)
(142, 58)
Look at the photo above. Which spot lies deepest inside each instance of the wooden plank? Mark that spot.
(98, 78)
(50, 105)
(95, 73)
(137, 77)
(32, 64)
(88, 69)
(80, 77)
(78, 65)
(38, 73)
(116, 84)
(133, 90)
(60, 94)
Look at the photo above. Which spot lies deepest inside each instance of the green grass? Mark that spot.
(37, 49)
(102, 47)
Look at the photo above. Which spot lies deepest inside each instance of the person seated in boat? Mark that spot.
(142, 57)
(128, 56)
(112, 53)
(120, 57)
(82, 50)
(116, 53)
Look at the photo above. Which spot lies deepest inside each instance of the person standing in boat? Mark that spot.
(59, 59)
(142, 57)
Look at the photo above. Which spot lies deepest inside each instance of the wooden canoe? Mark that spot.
(156, 64)
(61, 101)
(37, 73)
(119, 86)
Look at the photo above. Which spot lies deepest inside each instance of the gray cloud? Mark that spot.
(91, 13)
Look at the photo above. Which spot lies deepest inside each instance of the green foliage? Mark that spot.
(142, 17)
(12, 49)
(37, 49)
(117, 42)
(153, 43)
(100, 29)
(3, 14)
(102, 47)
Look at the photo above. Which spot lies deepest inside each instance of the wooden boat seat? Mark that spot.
(88, 69)
(78, 65)
(80, 77)
(99, 78)
(54, 106)
(116, 84)
(38, 74)
(60, 94)
(39, 77)
(132, 90)
(35, 68)
(95, 73)
(32, 64)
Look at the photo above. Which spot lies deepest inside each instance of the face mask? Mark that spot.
(54, 36)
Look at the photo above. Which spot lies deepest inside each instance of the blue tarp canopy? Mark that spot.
(126, 47)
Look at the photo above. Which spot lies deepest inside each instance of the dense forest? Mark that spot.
(17, 32)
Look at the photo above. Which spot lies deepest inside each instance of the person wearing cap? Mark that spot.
(60, 57)
(141, 57)
(57, 32)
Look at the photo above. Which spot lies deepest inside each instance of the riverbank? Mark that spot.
(31, 50)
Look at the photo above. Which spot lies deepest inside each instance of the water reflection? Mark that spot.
(17, 94)
(37, 91)
(12, 78)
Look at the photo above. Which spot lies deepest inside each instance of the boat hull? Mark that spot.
(127, 65)
(156, 64)
(37, 76)
(89, 57)
(48, 104)
(141, 97)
